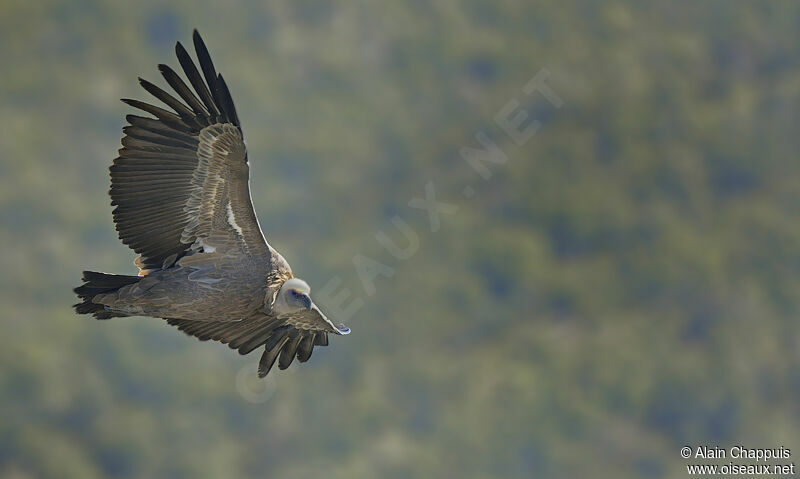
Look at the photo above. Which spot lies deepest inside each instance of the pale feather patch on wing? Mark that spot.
(208, 182)
(220, 206)
(232, 220)
(200, 246)
(207, 248)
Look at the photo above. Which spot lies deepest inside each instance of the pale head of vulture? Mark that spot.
(294, 296)
(293, 304)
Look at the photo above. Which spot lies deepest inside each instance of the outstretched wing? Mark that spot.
(279, 338)
(180, 182)
(180, 185)
(286, 337)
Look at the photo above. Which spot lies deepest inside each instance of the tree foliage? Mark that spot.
(624, 285)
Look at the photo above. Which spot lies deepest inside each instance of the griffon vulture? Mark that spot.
(180, 188)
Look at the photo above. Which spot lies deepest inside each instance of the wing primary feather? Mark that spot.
(207, 66)
(227, 100)
(306, 347)
(147, 131)
(156, 158)
(196, 80)
(152, 124)
(142, 145)
(269, 356)
(276, 336)
(174, 140)
(184, 92)
(142, 165)
(265, 333)
(168, 100)
(321, 339)
(243, 336)
(288, 352)
(169, 118)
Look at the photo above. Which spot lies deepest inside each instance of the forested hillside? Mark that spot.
(624, 284)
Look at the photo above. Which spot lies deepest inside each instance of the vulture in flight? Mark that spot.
(181, 196)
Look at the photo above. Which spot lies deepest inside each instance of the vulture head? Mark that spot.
(294, 296)
(294, 302)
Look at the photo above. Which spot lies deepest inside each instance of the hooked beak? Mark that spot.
(341, 330)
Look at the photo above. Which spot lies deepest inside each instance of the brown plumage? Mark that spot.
(181, 197)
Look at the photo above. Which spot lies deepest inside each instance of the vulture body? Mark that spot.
(181, 196)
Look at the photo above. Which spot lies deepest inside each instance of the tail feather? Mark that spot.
(99, 283)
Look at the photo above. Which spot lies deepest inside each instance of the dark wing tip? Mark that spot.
(180, 50)
(306, 347)
(227, 101)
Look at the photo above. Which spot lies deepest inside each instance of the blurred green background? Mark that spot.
(625, 285)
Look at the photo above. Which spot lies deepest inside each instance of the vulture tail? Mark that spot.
(99, 283)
